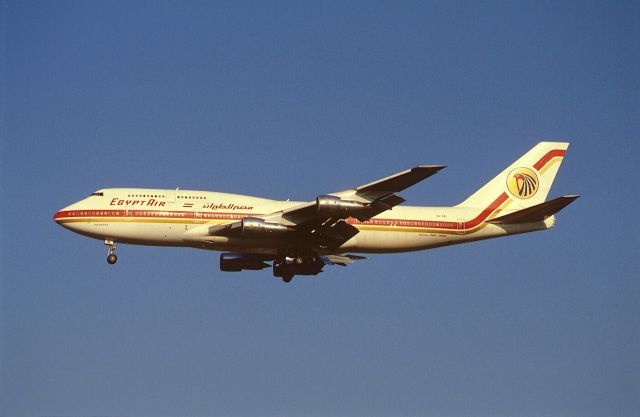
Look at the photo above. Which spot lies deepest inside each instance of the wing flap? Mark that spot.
(333, 233)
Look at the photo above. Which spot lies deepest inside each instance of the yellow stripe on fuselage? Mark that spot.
(369, 227)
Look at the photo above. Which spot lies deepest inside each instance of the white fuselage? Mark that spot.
(176, 218)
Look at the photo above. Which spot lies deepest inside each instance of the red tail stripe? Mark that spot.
(486, 212)
(547, 157)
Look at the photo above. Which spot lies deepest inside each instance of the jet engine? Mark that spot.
(257, 227)
(330, 206)
(235, 262)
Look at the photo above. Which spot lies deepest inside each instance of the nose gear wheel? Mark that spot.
(112, 258)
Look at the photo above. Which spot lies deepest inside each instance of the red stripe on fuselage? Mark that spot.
(437, 224)
(180, 215)
(164, 214)
(547, 157)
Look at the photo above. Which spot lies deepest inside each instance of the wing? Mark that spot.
(322, 222)
(395, 183)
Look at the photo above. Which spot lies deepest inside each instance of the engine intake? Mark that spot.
(330, 206)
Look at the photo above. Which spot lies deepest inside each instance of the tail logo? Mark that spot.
(522, 183)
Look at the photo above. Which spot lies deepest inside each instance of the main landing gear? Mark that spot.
(286, 267)
(287, 278)
(112, 258)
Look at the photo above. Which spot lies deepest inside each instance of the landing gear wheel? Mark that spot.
(111, 257)
(287, 278)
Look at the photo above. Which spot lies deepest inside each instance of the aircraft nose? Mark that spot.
(62, 214)
(59, 215)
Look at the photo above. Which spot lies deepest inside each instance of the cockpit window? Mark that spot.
(98, 194)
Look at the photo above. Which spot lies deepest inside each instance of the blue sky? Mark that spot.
(290, 100)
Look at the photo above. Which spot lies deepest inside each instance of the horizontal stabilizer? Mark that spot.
(538, 213)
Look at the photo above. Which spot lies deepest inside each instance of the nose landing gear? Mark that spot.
(112, 258)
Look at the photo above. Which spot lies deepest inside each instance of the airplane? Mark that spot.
(300, 238)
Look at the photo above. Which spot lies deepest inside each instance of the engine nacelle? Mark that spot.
(330, 205)
(256, 227)
(235, 262)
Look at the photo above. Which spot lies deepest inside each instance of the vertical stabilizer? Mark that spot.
(526, 182)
